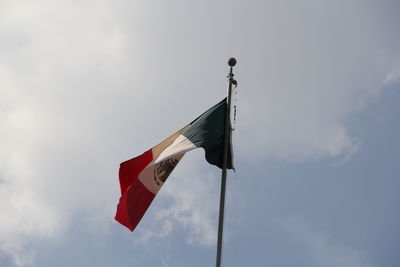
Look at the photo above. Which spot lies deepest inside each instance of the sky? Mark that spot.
(85, 85)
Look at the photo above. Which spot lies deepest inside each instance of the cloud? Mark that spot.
(87, 85)
(189, 201)
(325, 249)
(45, 158)
(24, 214)
(312, 74)
(394, 75)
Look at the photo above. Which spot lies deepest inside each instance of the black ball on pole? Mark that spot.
(232, 62)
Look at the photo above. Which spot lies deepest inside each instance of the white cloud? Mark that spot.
(311, 75)
(191, 202)
(326, 250)
(85, 85)
(394, 75)
(48, 161)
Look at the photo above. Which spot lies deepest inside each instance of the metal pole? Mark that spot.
(231, 63)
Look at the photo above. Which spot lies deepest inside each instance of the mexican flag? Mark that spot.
(142, 177)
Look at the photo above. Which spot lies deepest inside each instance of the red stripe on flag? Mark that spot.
(133, 204)
(135, 197)
(130, 169)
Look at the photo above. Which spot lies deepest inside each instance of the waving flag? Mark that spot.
(142, 177)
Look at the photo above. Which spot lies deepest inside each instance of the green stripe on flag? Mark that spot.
(207, 131)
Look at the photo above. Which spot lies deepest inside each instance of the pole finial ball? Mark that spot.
(232, 62)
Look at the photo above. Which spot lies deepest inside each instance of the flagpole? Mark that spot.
(231, 63)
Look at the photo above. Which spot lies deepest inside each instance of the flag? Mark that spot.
(142, 177)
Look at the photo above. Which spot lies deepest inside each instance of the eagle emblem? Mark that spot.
(163, 169)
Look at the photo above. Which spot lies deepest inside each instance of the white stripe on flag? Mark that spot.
(180, 145)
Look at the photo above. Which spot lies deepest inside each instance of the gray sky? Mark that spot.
(85, 85)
